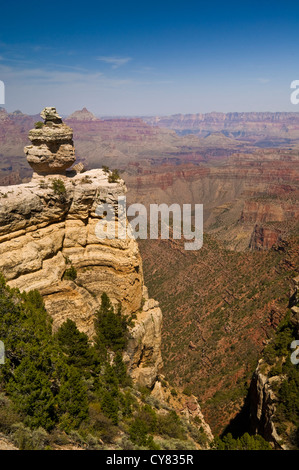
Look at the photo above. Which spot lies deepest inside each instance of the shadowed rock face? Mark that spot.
(52, 150)
(263, 238)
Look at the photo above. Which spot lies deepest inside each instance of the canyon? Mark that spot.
(49, 243)
(220, 304)
(263, 128)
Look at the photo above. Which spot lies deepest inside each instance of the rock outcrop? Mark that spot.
(263, 406)
(52, 150)
(6, 444)
(145, 343)
(48, 241)
(186, 406)
(263, 238)
(263, 393)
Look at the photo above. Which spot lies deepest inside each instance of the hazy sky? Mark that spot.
(149, 57)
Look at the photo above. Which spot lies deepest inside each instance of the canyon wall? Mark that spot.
(264, 388)
(249, 126)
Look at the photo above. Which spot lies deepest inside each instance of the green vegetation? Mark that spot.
(38, 125)
(277, 355)
(26, 439)
(58, 187)
(246, 442)
(148, 422)
(75, 345)
(279, 346)
(110, 326)
(106, 169)
(59, 389)
(113, 176)
(187, 391)
(70, 274)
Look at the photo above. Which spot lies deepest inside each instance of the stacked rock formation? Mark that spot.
(52, 150)
(48, 230)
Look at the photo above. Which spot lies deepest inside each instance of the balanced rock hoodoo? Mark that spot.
(52, 150)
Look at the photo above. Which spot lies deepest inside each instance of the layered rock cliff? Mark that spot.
(263, 406)
(251, 126)
(48, 242)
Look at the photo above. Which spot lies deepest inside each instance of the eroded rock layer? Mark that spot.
(52, 150)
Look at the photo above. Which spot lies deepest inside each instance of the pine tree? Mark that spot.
(109, 406)
(110, 327)
(30, 390)
(72, 400)
(121, 370)
(75, 345)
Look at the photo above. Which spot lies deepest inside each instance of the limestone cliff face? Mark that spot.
(49, 226)
(263, 406)
(263, 238)
(263, 392)
(144, 348)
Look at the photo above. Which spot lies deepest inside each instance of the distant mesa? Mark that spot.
(17, 112)
(52, 150)
(82, 115)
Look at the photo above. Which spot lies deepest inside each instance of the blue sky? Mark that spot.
(149, 58)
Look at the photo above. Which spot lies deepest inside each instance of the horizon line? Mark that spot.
(154, 115)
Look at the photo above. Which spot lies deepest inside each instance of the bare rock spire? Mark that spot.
(52, 151)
